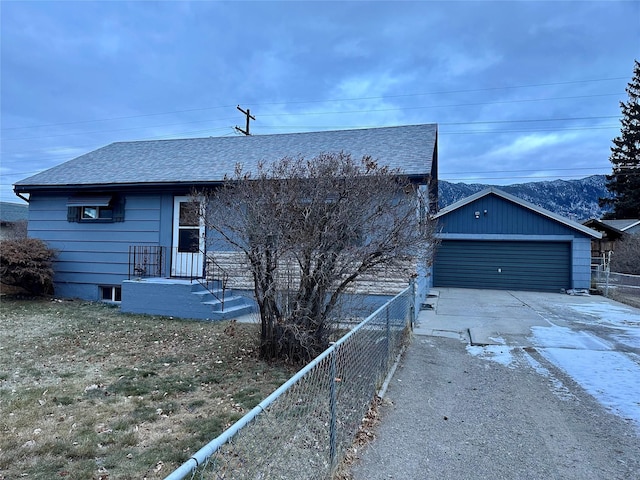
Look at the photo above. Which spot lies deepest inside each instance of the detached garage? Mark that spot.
(497, 241)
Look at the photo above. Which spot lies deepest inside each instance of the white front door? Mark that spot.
(187, 255)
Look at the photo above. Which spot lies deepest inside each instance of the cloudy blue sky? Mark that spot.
(521, 90)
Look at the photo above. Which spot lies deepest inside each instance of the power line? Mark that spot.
(113, 130)
(500, 102)
(231, 133)
(446, 92)
(528, 170)
(485, 122)
(516, 177)
(497, 132)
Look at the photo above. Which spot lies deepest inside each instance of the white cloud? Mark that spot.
(527, 144)
(460, 63)
(66, 151)
(370, 84)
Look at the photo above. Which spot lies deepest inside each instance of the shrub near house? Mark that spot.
(626, 257)
(27, 264)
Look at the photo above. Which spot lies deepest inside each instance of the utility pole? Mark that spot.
(249, 117)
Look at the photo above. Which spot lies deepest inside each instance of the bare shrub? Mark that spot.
(28, 264)
(16, 230)
(309, 229)
(626, 256)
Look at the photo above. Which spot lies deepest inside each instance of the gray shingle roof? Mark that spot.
(409, 148)
(622, 225)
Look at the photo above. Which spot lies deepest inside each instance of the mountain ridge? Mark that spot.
(574, 199)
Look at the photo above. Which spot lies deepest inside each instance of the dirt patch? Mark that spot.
(628, 296)
(631, 298)
(87, 392)
(366, 434)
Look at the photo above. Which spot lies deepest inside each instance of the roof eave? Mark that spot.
(420, 178)
(604, 226)
(630, 226)
(110, 186)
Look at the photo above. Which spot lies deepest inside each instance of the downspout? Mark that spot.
(26, 199)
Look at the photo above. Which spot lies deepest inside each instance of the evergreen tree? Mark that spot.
(624, 182)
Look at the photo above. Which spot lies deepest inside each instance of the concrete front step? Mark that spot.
(234, 311)
(214, 298)
(182, 299)
(230, 301)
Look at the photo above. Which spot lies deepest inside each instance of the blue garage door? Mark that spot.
(542, 266)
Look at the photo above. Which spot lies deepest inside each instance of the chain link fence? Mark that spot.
(304, 428)
(612, 283)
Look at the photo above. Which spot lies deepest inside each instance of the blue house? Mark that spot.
(116, 215)
(495, 240)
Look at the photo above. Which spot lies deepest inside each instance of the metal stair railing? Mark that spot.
(146, 261)
(214, 276)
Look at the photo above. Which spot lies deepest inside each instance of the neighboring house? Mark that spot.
(114, 214)
(612, 231)
(628, 226)
(13, 220)
(495, 240)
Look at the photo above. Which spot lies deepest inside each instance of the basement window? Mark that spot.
(110, 293)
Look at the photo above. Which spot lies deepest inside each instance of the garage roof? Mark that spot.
(518, 201)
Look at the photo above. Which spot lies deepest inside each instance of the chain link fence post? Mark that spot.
(388, 335)
(412, 305)
(333, 412)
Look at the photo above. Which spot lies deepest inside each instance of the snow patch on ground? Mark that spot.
(631, 339)
(557, 386)
(611, 377)
(497, 353)
(614, 316)
(608, 313)
(564, 337)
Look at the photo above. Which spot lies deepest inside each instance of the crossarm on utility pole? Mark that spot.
(249, 117)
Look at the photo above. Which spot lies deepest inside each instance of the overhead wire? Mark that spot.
(442, 131)
(302, 102)
(486, 122)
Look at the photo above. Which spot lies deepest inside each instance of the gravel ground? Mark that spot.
(451, 415)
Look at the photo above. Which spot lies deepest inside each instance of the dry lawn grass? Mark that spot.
(87, 392)
(629, 296)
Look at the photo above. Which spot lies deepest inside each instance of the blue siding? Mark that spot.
(93, 254)
(581, 261)
(502, 217)
(165, 233)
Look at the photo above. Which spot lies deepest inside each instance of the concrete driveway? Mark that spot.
(504, 384)
(480, 316)
(594, 340)
(494, 317)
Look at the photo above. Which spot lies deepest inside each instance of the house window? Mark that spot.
(97, 213)
(95, 209)
(110, 293)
